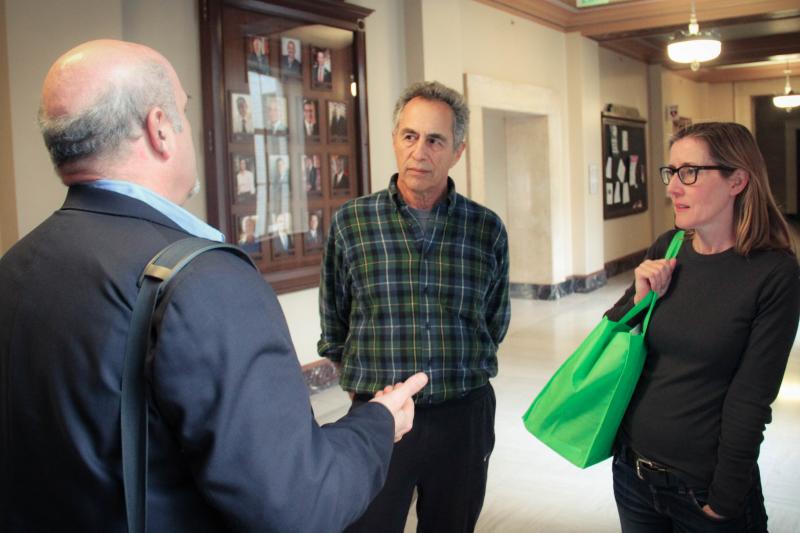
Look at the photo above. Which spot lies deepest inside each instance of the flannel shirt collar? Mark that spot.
(400, 202)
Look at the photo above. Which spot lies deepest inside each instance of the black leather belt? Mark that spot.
(473, 395)
(649, 471)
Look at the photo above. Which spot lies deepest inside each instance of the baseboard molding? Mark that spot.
(624, 263)
(320, 375)
(536, 291)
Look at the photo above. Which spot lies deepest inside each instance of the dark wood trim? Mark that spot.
(221, 23)
(624, 263)
(578, 283)
(213, 138)
(362, 133)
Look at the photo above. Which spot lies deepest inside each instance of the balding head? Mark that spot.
(96, 99)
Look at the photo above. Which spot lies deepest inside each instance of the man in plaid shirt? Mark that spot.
(415, 278)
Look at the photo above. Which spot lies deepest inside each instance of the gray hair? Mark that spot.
(118, 114)
(433, 90)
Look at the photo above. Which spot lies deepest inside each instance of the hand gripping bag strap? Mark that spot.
(649, 301)
(133, 402)
(672, 251)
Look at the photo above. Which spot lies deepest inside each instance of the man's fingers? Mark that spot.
(414, 384)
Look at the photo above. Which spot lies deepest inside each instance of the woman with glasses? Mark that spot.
(718, 343)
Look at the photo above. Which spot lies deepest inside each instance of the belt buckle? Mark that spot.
(649, 465)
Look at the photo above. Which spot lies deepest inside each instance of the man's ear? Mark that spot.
(738, 181)
(459, 152)
(158, 132)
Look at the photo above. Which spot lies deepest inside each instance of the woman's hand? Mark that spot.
(710, 512)
(653, 274)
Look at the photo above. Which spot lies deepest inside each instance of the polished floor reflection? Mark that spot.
(531, 489)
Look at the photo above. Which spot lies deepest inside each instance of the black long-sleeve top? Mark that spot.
(717, 347)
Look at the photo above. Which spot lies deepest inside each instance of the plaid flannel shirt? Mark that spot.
(394, 301)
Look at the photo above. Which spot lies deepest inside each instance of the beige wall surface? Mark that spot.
(495, 161)
(38, 31)
(173, 29)
(8, 205)
(623, 81)
(584, 152)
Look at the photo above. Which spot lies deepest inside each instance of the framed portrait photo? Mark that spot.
(340, 174)
(244, 179)
(280, 184)
(312, 174)
(282, 238)
(291, 57)
(246, 235)
(241, 113)
(321, 73)
(309, 118)
(337, 122)
(275, 121)
(314, 236)
(257, 50)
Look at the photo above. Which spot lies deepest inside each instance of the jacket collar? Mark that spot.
(83, 198)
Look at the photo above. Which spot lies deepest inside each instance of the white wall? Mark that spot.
(584, 155)
(623, 81)
(495, 162)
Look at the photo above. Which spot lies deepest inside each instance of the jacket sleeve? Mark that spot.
(227, 382)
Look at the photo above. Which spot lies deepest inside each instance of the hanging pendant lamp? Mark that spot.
(694, 46)
(789, 99)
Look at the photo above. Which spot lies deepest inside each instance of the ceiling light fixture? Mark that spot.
(694, 46)
(788, 100)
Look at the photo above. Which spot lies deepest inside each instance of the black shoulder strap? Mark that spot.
(133, 406)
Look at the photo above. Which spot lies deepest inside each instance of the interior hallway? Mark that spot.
(531, 489)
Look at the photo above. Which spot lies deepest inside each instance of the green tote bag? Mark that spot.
(578, 412)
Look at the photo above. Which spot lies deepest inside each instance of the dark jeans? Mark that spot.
(446, 457)
(647, 508)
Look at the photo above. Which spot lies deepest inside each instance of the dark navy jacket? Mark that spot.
(233, 442)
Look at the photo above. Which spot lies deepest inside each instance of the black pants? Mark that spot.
(446, 457)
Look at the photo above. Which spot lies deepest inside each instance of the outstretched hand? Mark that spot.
(397, 399)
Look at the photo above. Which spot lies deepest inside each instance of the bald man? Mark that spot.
(233, 442)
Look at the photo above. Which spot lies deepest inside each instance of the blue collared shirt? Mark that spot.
(174, 212)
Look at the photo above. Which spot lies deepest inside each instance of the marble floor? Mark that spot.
(530, 488)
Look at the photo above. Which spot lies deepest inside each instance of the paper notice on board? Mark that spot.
(617, 196)
(609, 193)
(632, 170)
(621, 170)
(624, 140)
(614, 139)
(626, 193)
(609, 168)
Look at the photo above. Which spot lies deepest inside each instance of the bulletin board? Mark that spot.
(624, 166)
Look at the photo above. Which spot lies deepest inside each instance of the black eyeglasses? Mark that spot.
(688, 173)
